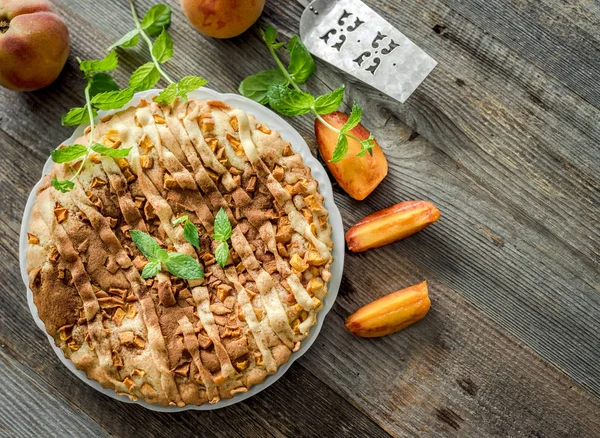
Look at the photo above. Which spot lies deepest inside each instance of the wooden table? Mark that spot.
(504, 137)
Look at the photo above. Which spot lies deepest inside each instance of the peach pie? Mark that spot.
(161, 337)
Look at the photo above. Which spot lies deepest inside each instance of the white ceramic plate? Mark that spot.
(318, 172)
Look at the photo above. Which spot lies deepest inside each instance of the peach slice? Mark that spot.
(358, 176)
(391, 224)
(390, 313)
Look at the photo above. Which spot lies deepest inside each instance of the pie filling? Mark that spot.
(166, 340)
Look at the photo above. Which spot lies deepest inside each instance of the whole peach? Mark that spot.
(222, 18)
(34, 44)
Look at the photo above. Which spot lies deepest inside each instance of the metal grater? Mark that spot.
(353, 37)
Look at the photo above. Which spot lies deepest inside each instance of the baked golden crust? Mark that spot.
(166, 340)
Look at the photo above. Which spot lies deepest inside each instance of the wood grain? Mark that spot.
(503, 137)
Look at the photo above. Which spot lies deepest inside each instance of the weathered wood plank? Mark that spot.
(453, 373)
(30, 408)
(544, 36)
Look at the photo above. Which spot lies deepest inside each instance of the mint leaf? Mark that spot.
(366, 146)
(289, 102)
(184, 266)
(109, 63)
(112, 99)
(328, 103)
(162, 49)
(144, 77)
(151, 269)
(69, 153)
(130, 39)
(190, 83)
(222, 226)
(341, 149)
(302, 65)
(156, 19)
(180, 220)
(190, 232)
(167, 96)
(353, 120)
(110, 152)
(255, 87)
(278, 45)
(64, 185)
(102, 82)
(77, 116)
(145, 243)
(162, 255)
(222, 253)
(270, 34)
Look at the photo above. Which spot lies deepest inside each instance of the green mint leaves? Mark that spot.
(145, 77)
(184, 266)
(162, 49)
(330, 102)
(69, 153)
(180, 265)
(222, 233)
(145, 243)
(367, 146)
(102, 82)
(257, 86)
(341, 149)
(279, 88)
(180, 89)
(154, 23)
(302, 64)
(110, 152)
(112, 99)
(151, 269)
(77, 116)
(190, 232)
(130, 39)
(63, 185)
(288, 101)
(222, 253)
(103, 93)
(156, 19)
(222, 227)
(109, 63)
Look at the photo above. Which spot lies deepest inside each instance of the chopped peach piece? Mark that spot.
(391, 224)
(358, 176)
(390, 313)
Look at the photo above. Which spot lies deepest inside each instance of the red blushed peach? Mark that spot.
(222, 18)
(34, 44)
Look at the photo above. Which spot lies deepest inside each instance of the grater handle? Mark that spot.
(304, 3)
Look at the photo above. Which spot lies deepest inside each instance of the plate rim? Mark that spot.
(318, 172)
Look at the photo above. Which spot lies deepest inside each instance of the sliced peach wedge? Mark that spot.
(390, 313)
(391, 224)
(358, 176)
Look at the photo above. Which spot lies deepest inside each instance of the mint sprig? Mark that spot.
(279, 88)
(190, 232)
(222, 233)
(180, 265)
(155, 22)
(103, 93)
